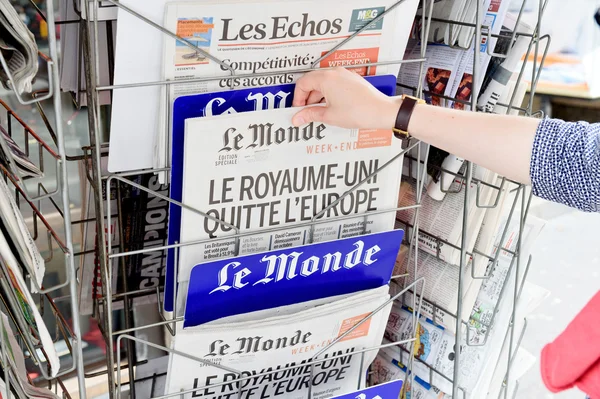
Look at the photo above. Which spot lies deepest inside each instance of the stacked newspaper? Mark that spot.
(282, 352)
(487, 304)
(483, 368)
(18, 50)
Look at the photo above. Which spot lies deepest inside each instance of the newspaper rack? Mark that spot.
(105, 305)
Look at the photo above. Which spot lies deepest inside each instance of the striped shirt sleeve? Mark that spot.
(565, 164)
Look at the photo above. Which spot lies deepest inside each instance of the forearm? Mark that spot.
(500, 143)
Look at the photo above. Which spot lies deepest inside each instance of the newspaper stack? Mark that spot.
(274, 349)
(487, 308)
(483, 367)
(442, 278)
(19, 50)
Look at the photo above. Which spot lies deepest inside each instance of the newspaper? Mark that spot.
(492, 312)
(15, 229)
(286, 46)
(532, 296)
(478, 363)
(290, 36)
(24, 304)
(19, 50)
(16, 367)
(443, 219)
(441, 69)
(257, 184)
(275, 344)
(442, 278)
(143, 226)
(15, 159)
(480, 296)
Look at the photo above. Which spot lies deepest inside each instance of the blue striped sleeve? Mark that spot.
(565, 163)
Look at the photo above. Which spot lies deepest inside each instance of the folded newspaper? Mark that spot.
(18, 48)
(275, 351)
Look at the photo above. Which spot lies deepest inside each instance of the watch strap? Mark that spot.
(403, 118)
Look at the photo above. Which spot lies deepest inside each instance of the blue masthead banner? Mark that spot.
(389, 390)
(283, 277)
(226, 102)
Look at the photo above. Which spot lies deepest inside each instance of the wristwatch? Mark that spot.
(404, 113)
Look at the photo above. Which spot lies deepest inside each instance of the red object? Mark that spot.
(573, 359)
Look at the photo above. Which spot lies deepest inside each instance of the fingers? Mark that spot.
(314, 97)
(307, 84)
(310, 114)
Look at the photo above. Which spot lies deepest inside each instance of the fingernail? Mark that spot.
(300, 121)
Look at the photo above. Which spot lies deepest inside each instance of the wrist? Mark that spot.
(391, 109)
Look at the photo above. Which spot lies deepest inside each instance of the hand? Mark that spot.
(351, 101)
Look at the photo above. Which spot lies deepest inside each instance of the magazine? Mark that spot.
(282, 345)
(266, 173)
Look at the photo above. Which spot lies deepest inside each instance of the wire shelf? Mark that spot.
(111, 257)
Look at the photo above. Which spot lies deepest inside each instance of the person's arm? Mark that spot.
(499, 143)
(561, 160)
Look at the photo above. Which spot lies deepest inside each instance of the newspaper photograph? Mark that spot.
(267, 174)
(274, 353)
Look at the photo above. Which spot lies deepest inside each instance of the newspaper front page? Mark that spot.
(283, 37)
(266, 174)
(268, 349)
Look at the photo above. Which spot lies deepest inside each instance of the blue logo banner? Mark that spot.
(226, 102)
(389, 390)
(283, 277)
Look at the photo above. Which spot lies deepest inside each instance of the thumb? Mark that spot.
(310, 114)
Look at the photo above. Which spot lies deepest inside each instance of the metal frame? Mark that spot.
(57, 195)
(106, 254)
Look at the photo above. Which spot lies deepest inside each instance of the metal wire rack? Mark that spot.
(111, 258)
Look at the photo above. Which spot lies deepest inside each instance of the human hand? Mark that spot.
(351, 101)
